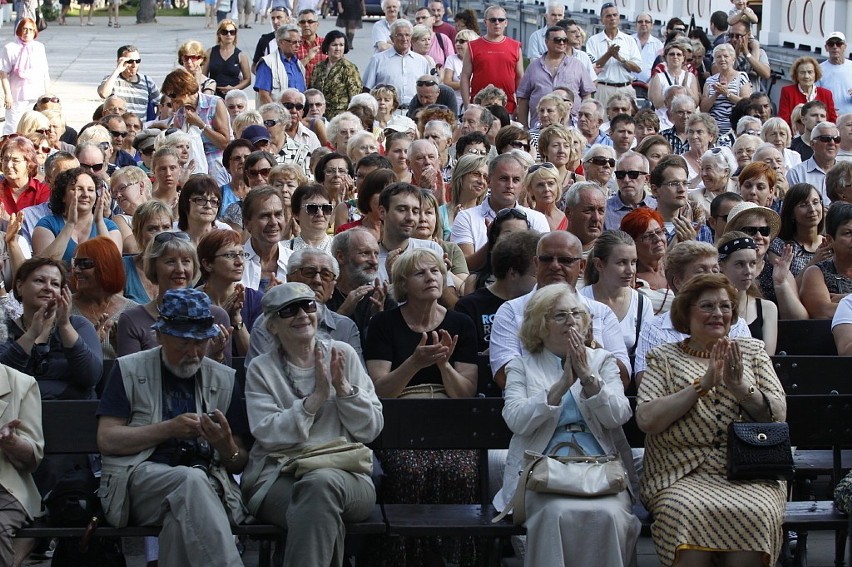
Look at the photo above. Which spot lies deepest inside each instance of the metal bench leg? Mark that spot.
(840, 547)
(264, 554)
(800, 557)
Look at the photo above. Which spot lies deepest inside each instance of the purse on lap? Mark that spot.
(759, 450)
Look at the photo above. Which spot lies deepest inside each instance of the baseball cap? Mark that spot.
(186, 313)
(836, 35)
(401, 124)
(255, 133)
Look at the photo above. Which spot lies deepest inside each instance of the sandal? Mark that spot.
(109, 24)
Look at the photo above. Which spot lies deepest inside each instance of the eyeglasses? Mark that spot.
(601, 161)
(236, 106)
(675, 184)
(292, 105)
(122, 188)
(755, 230)
(310, 272)
(270, 123)
(193, 57)
(737, 35)
(545, 165)
(559, 40)
(314, 208)
(164, 237)
(461, 41)
(336, 171)
(520, 145)
(228, 32)
(566, 261)
(827, 139)
(82, 263)
(43, 132)
(233, 255)
(426, 83)
(46, 99)
(563, 317)
(134, 61)
(643, 21)
(308, 306)
(658, 234)
(316, 104)
(307, 22)
(148, 151)
(204, 201)
(263, 171)
(117, 134)
(631, 174)
(496, 20)
(93, 166)
(834, 44)
(710, 307)
(475, 151)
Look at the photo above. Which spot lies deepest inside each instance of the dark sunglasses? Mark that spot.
(194, 57)
(563, 260)
(43, 132)
(228, 32)
(600, 160)
(309, 272)
(754, 230)
(116, 134)
(307, 22)
(308, 306)
(496, 20)
(545, 165)
(315, 208)
(520, 145)
(148, 151)
(164, 237)
(511, 213)
(292, 105)
(82, 263)
(94, 166)
(46, 99)
(827, 139)
(462, 41)
(136, 61)
(270, 123)
(426, 83)
(559, 40)
(263, 172)
(834, 43)
(631, 174)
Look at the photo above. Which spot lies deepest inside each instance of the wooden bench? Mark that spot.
(807, 336)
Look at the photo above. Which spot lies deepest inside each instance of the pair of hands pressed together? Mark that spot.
(725, 368)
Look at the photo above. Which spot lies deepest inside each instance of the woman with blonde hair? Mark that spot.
(468, 185)
(225, 63)
(542, 188)
(33, 121)
(130, 187)
(150, 219)
(43, 149)
(550, 110)
(388, 102)
(192, 57)
(557, 146)
(777, 132)
(451, 73)
(430, 227)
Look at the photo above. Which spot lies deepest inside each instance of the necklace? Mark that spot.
(684, 346)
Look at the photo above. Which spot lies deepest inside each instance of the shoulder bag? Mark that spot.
(759, 451)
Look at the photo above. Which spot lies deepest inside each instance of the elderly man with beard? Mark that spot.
(318, 270)
(359, 293)
(172, 430)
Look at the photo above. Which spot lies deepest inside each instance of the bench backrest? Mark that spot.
(806, 336)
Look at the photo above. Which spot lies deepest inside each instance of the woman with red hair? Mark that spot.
(23, 72)
(19, 186)
(646, 227)
(98, 277)
(222, 260)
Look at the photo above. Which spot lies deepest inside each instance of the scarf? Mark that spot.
(25, 66)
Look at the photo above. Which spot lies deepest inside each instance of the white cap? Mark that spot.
(836, 35)
(401, 124)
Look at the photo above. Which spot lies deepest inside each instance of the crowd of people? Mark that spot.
(624, 215)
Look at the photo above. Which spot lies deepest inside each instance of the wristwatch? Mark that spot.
(590, 380)
(748, 54)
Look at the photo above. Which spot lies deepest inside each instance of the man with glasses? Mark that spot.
(681, 108)
(314, 108)
(750, 57)
(825, 140)
(631, 175)
(649, 46)
(670, 186)
(277, 120)
(617, 57)
(837, 72)
(319, 271)
(493, 59)
(278, 16)
(398, 66)
(470, 227)
(93, 158)
(440, 46)
(281, 69)
(590, 116)
(558, 259)
(537, 43)
(554, 68)
(118, 132)
(126, 81)
(381, 34)
(430, 91)
(114, 104)
(294, 102)
(309, 50)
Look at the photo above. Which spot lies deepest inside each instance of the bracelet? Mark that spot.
(696, 384)
(751, 391)
(233, 457)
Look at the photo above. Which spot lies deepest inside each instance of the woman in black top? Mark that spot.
(225, 63)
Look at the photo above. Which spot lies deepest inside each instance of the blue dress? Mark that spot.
(55, 224)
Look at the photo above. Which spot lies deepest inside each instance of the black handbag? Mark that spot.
(759, 450)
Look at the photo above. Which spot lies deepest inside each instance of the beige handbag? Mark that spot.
(335, 454)
(424, 391)
(581, 476)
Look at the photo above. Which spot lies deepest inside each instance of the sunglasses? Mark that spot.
(43, 132)
(559, 40)
(545, 165)
(631, 174)
(754, 230)
(461, 41)
(291, 310)
(496, 20)
(134, 61)
(94, 166)
(46, 99)
(82, 263)
(148, 151)
(520, 145)
(204, 201)
(228, 32)
(270, 123)
(834, 44)
(164, 237)
(426, 83)
(45, 149)
(263, 172)
(292, 105)
(827, 139)
(236, 107)
(314, 208)
(563, 260)
(116, 134)
(512, 213)
(601, 161)
(310, 273)
(193, 57)
(307, 22)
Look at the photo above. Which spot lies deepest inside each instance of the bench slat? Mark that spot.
(447, 519)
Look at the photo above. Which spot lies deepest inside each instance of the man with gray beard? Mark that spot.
(359, 293)
(172, 430)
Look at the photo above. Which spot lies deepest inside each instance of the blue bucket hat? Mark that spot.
(186, 313)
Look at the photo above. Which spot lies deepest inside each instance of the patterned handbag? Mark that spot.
(759, 451)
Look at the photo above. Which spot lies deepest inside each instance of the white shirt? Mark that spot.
(649, 55)
(613, 70)
(305, 136)
(838, 79)
(809, 172)
(584, 58)
(413, 243)
(252, 268)
(381, 33)
(392, 68)
(843, 315)
(506, 345)
(469, 224)
(660, 331)
(630, 321)
(536, 46)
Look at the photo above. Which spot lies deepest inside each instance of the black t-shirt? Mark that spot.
(390, 338)
(262, 47)
(363, 311)
(178, 398)
(804, 150)
(480, 306)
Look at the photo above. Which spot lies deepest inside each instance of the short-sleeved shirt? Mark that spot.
(36, 193)
(481, 306)
(178, 399)
(390, 338)
(843, 315)
(136, 94)
(55, 224)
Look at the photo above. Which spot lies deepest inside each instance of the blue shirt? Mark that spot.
(295, 79)
(55, 224)
(133, 288)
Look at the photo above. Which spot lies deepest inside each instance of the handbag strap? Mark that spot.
(517, 507)
(768, 407)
